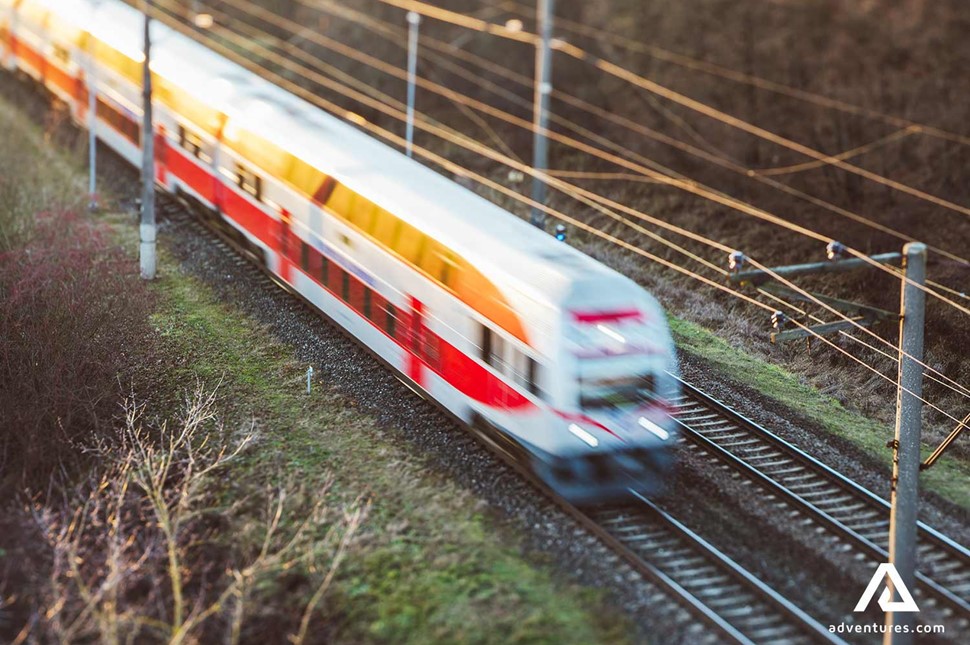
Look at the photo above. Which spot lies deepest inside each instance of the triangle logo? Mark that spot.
(906, 602)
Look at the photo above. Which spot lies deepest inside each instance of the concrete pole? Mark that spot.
(414, 20)
(906, 457)
(543, 88)
(92, 133)
(147, 228)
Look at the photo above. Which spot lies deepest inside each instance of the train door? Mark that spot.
(286, 244)
(414, 341)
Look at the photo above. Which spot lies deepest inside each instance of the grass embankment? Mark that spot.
(166, 536)
(427, 564)
(948, 477)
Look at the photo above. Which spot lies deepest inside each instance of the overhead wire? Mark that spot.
(329, 6)
(699, 189)
(653, 87)
(456, 168)
(455, 96)
(524, 168)
(426, 126)
(727, 73)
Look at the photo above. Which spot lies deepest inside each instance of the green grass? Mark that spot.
(430, 565)
(948, 477)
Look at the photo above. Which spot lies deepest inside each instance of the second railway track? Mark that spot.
(856, 516)
(742, 607)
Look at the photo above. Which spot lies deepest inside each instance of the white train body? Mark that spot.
(554, 355)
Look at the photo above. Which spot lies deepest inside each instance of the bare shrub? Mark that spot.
(133, 552)
(73, 317)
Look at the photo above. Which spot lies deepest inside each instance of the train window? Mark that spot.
(496, 359)
(391, 320)
(194, 144)
(305, 256)
(128, 128)
(532, 376)
(367, 303)
(325, 190)
(345, 286)
(249, 181)
(325, 270)
(486, 345)
(492, 347)
(62, 54)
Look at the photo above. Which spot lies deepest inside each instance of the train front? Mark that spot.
(616, 431)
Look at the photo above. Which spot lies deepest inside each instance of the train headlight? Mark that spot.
(652, 427)
(585, 436)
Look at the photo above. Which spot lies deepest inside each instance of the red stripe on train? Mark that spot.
(460, 370)
(593, 317)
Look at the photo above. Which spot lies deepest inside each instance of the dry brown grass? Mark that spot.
(132, 551)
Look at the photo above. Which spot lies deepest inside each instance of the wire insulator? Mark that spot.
(779, 320)
(736, 260)
(835, 251)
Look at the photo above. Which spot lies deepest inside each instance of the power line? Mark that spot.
(736, 76)
(692, 104)
(363, 19)
(461, 140)
(571, 190)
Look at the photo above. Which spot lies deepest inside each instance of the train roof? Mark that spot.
(532, 261)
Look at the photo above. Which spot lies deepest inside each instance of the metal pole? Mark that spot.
(540, 119)
(414, 20)
(147, 228)
(906, 458)
(92, 134)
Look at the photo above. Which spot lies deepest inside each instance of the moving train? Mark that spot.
(558, 360)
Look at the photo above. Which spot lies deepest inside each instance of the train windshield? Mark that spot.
(618, 391)
(622, 392)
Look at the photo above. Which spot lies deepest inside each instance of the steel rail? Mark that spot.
(650, 537)
(843, 507)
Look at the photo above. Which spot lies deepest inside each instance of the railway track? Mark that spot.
(731, 603)
(856, 516)
(743, 608)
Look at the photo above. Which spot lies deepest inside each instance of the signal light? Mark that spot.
(560, 232)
